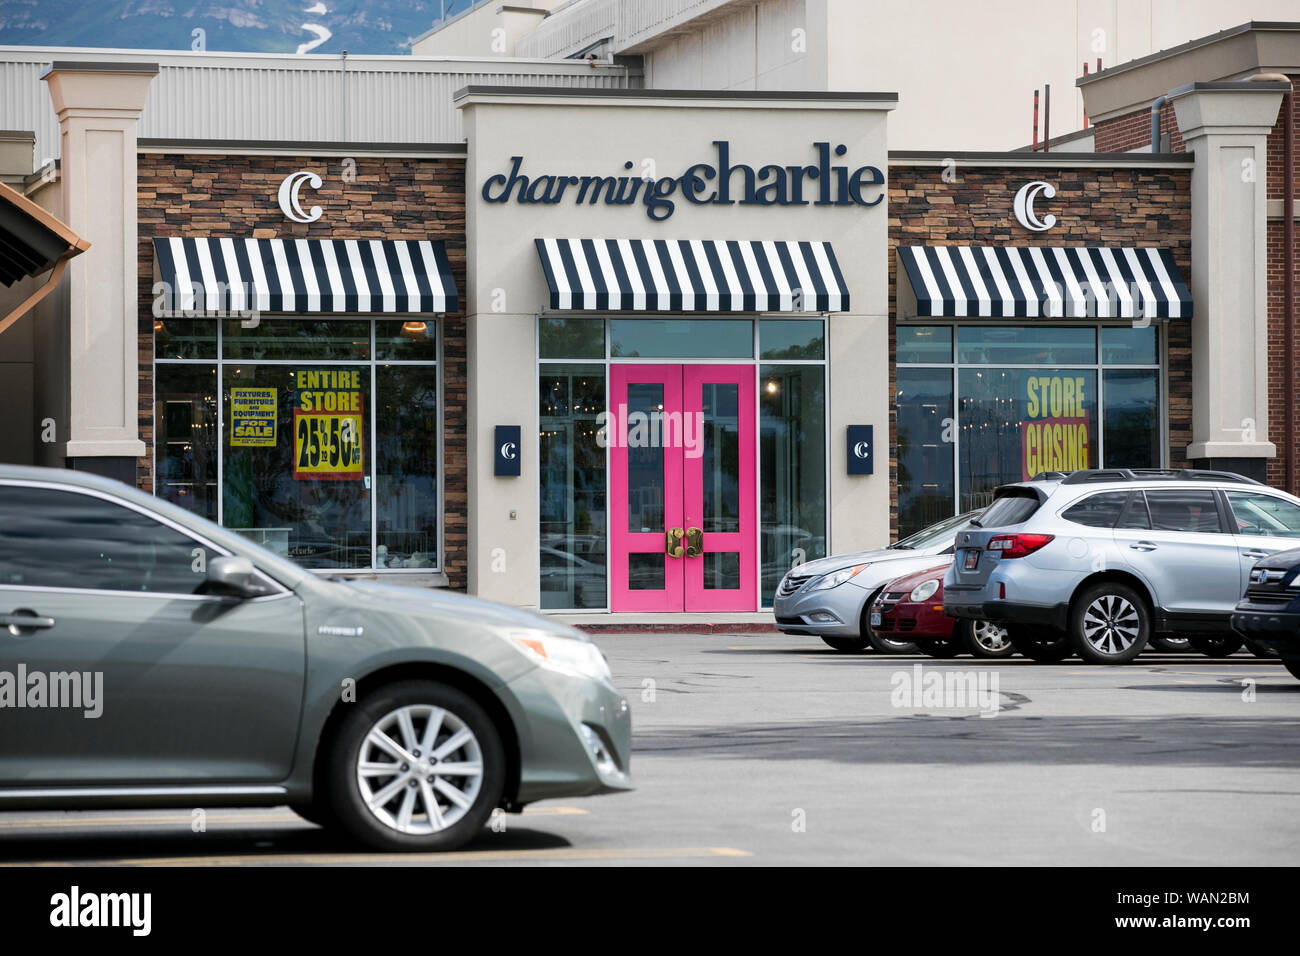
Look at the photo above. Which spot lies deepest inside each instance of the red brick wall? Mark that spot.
(390, 198)
(1099, 206)
(1124, 134)
(1286, 445)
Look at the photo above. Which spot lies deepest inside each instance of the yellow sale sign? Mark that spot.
(327, 426)
(252, 417)
(1054, 436)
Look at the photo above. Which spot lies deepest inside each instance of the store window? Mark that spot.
(980, 406)
(323, 432)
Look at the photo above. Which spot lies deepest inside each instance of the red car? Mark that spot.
(910, 608)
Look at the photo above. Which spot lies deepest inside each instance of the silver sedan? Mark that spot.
(829, 597)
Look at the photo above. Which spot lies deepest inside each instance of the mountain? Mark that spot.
(251, 26)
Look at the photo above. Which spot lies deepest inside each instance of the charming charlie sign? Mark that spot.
(717, 182)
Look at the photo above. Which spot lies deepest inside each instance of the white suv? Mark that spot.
(1097, 562)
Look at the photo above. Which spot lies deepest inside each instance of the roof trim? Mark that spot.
(1277, 26)
(100, 66)
(568, 92)
(294, 147)
(1030, 158)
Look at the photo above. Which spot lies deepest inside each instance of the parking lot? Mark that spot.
(776, 750)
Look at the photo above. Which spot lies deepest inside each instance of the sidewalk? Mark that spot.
(760, 622)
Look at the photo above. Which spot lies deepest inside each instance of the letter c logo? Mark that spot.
(289, 202)
(508, 451)
(862, 449)
(1024, 206)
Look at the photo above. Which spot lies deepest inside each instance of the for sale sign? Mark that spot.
(252, 418)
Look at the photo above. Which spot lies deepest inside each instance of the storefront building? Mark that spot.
(641, 351)
(1087, 370)
(303, 381)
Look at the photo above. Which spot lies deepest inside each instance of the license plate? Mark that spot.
(970, 559)
(875, 619)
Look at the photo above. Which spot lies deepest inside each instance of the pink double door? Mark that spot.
(683, 488)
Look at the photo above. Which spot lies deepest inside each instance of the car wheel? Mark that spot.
(1109, 624)
(1216, 645)
(985, 639)
(1162, 643)
(1292, 664)
(847, 643)
(417, 765)
(948, 648)
(1042, 645)
(881, 645)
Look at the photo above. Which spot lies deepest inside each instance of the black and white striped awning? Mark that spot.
(1041, 282)
(693, 275)
(305, 275)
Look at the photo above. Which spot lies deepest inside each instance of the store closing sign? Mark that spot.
(1054, 434)
(327, 425)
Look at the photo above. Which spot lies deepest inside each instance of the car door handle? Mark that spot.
(24, 619)
(1256, 553)
(1142, 546)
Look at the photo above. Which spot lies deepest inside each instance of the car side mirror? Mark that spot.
(234, 576)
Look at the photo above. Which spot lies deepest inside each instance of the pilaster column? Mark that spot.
(99, 107)
(1226, 126)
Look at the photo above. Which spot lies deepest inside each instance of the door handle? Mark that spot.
(673, 543)
(24, 619)
(694, 542)
(1256, 553)
(1142, 546)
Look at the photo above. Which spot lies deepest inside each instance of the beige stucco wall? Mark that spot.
(504, 274)
(965, 72)
(488, 30)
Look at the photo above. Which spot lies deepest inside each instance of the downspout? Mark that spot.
(1288, 265)
(1155, 122)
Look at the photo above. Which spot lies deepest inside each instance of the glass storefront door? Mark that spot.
(683, 471)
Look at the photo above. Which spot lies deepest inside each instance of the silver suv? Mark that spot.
(1097, 562)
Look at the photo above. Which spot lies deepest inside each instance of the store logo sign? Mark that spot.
(290, 204)
(507, 438)
(1024, 206)
(861, 449)
(713, 183)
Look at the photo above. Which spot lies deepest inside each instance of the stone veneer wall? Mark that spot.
(390, 198)
(1094, 206)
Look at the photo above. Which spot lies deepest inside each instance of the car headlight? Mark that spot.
(923, 591)
(568, 655)
(835, 578)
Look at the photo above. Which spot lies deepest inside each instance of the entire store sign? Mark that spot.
(252, 417)
(327, 425)
(714, 183)
(1054, 434)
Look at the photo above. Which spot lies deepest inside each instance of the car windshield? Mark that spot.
(936, 533)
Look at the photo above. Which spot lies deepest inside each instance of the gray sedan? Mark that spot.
(829, 597)
(151, 658)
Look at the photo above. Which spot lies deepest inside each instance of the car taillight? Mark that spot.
(1018, 545)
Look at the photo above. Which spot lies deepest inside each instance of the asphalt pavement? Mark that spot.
(776, 750)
